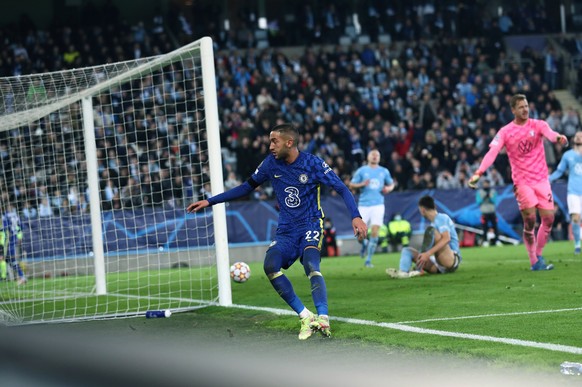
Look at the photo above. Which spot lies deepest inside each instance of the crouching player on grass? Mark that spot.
(440, 246)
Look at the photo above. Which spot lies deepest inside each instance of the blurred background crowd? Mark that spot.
(427, 83)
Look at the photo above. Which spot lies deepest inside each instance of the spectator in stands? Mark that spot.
(561, 224)
(570, 122)
(401, 82)
(45, 210)
(29, 212)
(446, 180)
(329, 247)
(554, 120)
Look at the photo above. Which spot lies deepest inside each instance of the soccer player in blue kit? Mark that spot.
(572, 162)
(296, 178)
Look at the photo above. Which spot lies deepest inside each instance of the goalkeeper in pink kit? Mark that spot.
(523, 139)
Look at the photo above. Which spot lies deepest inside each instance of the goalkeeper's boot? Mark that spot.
(306, 331)
(541, 265)
(321, 324)
(428, 239)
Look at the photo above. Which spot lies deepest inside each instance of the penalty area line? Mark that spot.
(407, 328)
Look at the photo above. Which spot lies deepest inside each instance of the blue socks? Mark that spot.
(576, 233)
(281, 284)
(406, 259)
(311, 261)
(284, 288)
(319, 293)
(372, 244)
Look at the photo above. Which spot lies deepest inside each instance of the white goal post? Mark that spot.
(98, 166)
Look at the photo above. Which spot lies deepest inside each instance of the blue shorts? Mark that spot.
(292, 240)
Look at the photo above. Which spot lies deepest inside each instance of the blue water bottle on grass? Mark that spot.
(158, 313)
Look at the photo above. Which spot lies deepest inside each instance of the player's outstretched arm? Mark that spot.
(232, 194)
(197, 206)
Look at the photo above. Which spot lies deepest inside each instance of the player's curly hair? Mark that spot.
(288, 129)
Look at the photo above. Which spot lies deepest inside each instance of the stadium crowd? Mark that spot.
(430, 107)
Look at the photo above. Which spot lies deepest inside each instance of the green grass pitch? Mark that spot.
(493, 308)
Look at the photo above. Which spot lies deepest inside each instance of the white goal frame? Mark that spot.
(209, 87)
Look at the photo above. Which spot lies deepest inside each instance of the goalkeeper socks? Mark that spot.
(3, 272)
(284, 288)
(544, 233)
(372, 244)
(405, 259)
(529, 240)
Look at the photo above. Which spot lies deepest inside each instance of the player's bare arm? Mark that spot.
(388, 188)
(424, 256)
(360, 228)
(197, 206)
(360, 185)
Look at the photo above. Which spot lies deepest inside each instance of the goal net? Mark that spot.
(98, 166)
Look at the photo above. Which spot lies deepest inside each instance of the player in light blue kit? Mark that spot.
(296, 178)
(440, 246)
(572, 162)
(374, 181)
(10, 239)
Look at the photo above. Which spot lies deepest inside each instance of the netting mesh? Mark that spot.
(151, 154)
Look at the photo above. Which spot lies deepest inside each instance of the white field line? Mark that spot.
(490, 315)
(459, 335)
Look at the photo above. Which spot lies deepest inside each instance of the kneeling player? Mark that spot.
(440, 246)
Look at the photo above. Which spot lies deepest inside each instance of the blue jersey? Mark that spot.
(297, 187)
(443, 223)
(571, 162)
(11, 230)
(371, 194)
